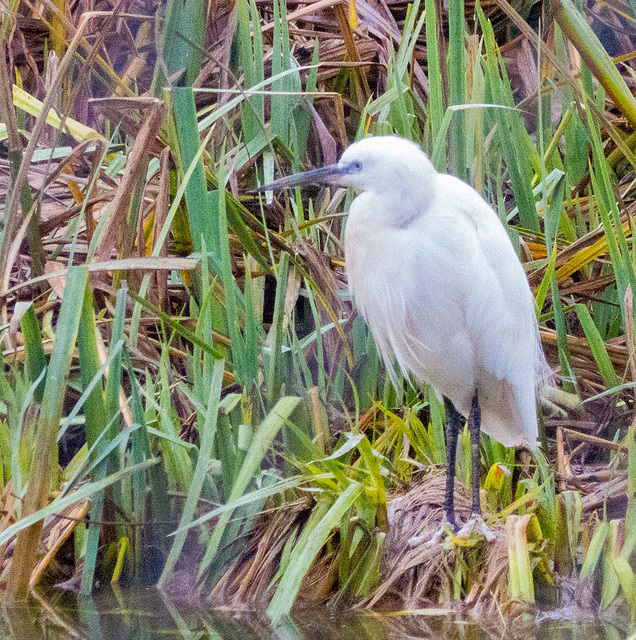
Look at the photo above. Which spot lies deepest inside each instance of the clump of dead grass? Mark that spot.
(437, 572)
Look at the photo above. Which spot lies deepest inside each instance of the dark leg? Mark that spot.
(474, 426)
(452, 429)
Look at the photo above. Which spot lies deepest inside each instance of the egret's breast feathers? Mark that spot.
(400, 281)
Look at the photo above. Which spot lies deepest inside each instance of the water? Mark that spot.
(146, 615)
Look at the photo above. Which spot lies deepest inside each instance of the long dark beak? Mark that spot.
(328, 174)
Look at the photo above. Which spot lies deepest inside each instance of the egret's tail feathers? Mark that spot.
(510, 417)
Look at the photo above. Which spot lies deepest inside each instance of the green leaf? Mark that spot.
(35, 358)
(307, 548)
(207, 434)
(597, 346)
(261, 442)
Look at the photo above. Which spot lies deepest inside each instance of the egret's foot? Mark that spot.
(476, 523)
(436, 538)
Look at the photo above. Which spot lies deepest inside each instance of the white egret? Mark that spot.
(435, 276)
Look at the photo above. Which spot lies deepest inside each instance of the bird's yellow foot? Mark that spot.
(476, 523)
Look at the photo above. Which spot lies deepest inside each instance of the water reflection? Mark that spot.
(146, 614)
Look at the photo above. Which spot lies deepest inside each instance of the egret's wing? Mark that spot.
(499, 303)
(500, 317)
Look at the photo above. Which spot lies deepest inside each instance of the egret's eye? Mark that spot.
(356, 167)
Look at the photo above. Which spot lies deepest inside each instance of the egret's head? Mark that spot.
(381, 164)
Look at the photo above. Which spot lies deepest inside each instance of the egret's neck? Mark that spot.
(396, 205)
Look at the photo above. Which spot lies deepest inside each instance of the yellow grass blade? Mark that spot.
(33, 106)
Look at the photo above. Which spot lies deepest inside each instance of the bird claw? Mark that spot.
(476, 523)
(445, 529)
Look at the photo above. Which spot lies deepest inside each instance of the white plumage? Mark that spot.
(438, 281)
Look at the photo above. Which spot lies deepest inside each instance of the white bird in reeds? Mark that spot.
(435, 276)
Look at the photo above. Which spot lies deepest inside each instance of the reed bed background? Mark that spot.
(187, 395)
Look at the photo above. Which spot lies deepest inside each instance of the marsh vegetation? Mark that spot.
(188, 397)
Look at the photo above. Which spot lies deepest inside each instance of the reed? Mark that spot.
(182, 355)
